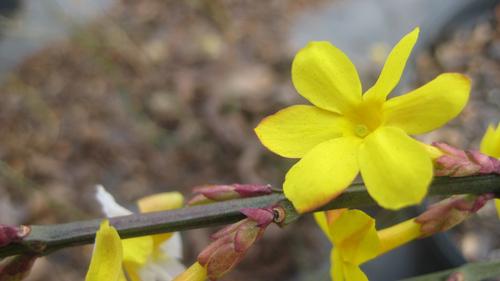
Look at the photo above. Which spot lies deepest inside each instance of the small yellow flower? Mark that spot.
(106, 263)
(490, 145)
(154, 257)
(355, 240)
(346, 132)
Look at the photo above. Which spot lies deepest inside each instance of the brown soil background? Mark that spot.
(164, 95)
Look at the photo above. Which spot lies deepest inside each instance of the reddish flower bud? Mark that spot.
(450, 212)
(222, 260)
(16, 268)
(227, 231)
(230, 246)
(208, 193)
(459, 163)
(263, 216)
(252, 190)
(11, 234)
(206, 255)
(232, 242)
(488, 164)
(217, 192)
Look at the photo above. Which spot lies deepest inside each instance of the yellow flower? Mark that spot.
(490, 145)
(154, 257)
(346, 132)
(106, 263)
(356, 241)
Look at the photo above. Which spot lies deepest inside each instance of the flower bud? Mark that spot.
(488, 164)
(263, 216)
(11, 234)
(209, 193)
(458, 163)
(230, 246)
(232, 242)
(450, 212)
(16, 268)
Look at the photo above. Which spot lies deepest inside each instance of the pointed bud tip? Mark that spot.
(450, 212)
(263, 216)
(228, 192)
(251, 190)
(11, 234)
(458, 163)
(232, 242)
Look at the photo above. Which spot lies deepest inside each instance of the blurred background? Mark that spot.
(152, 96)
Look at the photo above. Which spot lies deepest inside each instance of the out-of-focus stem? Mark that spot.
(44, 239)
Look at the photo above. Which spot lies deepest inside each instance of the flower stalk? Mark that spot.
(44, 239)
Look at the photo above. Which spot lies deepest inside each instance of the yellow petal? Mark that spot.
(132, 270)
(396, 169)
(490, 144)
(158, 240)
(344, 271)
(393, 68)
(295, 130)
(320, 218)
(326, 77)
(430, 106)
(433, 152)
(322, 174)
(160, 202)
(106, 263)
(355, 237)
(497, 205)
(324, 219)
(354, 273)
(337, 266)
(196, 272)
(136, 252)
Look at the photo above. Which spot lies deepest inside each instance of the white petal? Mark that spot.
(108, 204)
(173, 246)
(164, 269)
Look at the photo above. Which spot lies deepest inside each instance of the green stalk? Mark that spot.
(45, 239)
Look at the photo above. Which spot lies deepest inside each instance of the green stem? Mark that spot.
(45, 239)
(470, 272)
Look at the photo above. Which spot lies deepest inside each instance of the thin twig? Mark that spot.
(45, 239)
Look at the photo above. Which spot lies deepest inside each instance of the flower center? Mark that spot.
(361, 130)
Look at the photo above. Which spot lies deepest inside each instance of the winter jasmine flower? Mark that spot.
(148, 258)
(344, 132)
